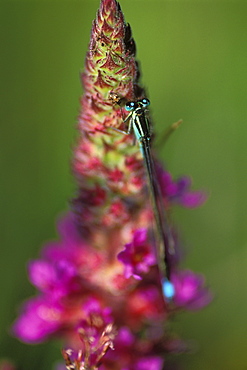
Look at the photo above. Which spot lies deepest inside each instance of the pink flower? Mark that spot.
(179, 191)
(38, 321)
(137, 255)
(190, 289)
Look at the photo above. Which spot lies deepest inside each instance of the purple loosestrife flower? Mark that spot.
(137, 255)
(99, 285)
(191, 292)
(178, 192)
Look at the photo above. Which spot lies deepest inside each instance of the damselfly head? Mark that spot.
(132, 105)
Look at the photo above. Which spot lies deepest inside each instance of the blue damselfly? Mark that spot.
(139, 124)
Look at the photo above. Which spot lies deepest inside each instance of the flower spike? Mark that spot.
(99, 286)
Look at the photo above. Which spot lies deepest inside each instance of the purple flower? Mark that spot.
(179, 191)
(137, 255)
(53, 279)
(190, 291)
(150, 363)
(125, 338)
(93, 308)
(38, 321)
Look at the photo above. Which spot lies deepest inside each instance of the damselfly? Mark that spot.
(140, 126)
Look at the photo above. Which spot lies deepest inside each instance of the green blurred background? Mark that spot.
(194, 58)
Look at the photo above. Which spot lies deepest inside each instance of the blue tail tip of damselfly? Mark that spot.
(168, 289)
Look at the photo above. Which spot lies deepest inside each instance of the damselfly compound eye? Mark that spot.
(145, 102)
(131, 105)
